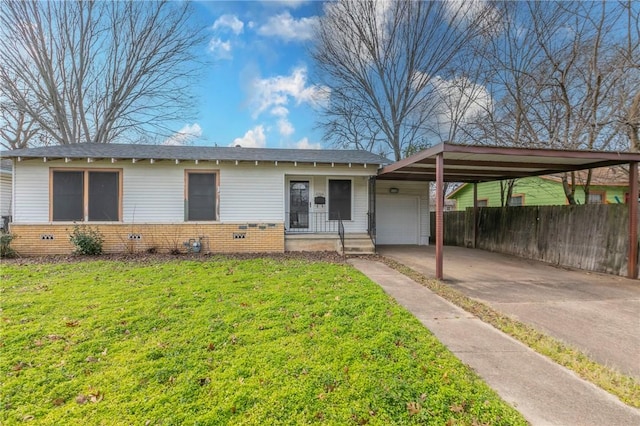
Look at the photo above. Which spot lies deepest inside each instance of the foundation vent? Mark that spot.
(239, 236)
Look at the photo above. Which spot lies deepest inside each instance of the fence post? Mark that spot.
(475, 215)
(632, 262)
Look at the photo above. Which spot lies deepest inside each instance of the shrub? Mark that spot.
(87, 241)
(5, 248)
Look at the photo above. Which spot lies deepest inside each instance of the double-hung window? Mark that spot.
(86, 195)
(339, 199)
(201, 195)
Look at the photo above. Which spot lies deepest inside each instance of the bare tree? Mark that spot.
(555, 78)
(17, 129)
(458, 101)
(79, 71)
(348, 126)
(629, 60)
(381, 60)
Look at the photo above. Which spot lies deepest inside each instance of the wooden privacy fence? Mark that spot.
(593, 237)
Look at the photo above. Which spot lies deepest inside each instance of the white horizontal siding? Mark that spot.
(420, 189)
(251, 193)
(154, 193)
(5, 194)
(31, 192)
(359, 223)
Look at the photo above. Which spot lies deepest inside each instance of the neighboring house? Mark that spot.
(448, 206)
(6, 167)
(217, 199)
(608, 185)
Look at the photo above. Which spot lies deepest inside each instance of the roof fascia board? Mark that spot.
(157, 159)
(535, 152)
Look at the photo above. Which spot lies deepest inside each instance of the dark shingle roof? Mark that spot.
(170, 152)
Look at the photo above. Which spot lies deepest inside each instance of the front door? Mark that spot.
(298, 204)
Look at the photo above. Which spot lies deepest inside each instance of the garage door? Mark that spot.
(397, 219)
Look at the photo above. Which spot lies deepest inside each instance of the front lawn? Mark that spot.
(223, 341)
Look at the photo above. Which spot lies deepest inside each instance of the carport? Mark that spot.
(474, 164)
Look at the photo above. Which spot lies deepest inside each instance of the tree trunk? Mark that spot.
(568, 190)
(633, 124)
(587, 186)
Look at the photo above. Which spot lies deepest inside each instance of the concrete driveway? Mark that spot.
(597, 313)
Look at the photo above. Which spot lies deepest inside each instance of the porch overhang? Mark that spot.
(473, 164)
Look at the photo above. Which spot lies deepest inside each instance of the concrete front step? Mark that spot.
(358, 245)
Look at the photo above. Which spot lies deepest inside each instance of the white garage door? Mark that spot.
(397, 219)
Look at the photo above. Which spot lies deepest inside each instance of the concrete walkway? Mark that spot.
(544, 392)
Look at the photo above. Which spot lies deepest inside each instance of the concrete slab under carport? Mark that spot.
(597, 313)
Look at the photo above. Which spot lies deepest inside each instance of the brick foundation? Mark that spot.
(48, 239)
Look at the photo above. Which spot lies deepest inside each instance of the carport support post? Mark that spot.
(439, 215)
(475, 215)
(632, 263)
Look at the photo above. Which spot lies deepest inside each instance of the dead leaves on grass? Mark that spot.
(456, 408)
(21, 366)
(94, 396)
(72, 323)
(57, 402)
(413, 408)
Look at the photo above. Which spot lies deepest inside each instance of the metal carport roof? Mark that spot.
(463, 163)
(487, 163)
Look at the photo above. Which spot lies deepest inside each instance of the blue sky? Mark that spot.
(257, 88)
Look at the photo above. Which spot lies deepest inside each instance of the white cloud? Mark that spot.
(288, 28)
(184, 135)
(229, 21)
(464, 95)
(220, 49)
(288, 3)
(280, 111)
(478, 13)
(272, 93)
(254, 138)
(305, 144)
(285, 127)
(460, 101)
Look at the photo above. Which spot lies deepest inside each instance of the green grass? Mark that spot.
(223, 341)
(626, 388)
